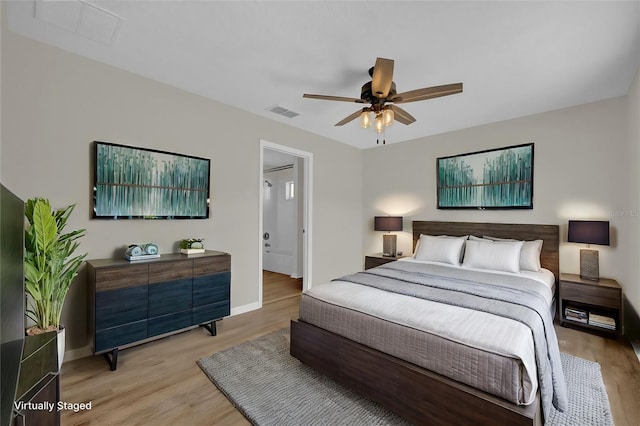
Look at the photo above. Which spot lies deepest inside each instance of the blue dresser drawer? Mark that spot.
(169, 297)
(211, 312)
(119, 336)
(122, 306)
(209, 289)
(167, 323)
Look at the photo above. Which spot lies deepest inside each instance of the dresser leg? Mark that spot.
(112, 358)
(211, 327)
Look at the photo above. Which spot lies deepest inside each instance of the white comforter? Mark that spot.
(484, 331)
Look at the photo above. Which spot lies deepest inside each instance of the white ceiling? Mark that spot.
(514, 58)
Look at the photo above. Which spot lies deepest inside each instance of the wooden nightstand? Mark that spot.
(373, 260)
(587, 299)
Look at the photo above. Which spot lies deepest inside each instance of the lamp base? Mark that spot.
(589, 265)
(389, 245)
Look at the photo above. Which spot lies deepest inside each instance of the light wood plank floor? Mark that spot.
(159, 383)
(277, 287)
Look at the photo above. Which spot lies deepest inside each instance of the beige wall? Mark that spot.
(631, 216)
(55, 104)
(581, 171)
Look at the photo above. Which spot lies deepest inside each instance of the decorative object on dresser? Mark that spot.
(377, 259)
(492, 179)
(49, 265)
(389, 224)
(589, 232)
(134, 302)
(591, 305)
(191, 246)
(141, 183)
(141, 252)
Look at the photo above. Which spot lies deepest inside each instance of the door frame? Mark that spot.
(307, 203)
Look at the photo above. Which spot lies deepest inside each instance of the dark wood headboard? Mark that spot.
(549, 234)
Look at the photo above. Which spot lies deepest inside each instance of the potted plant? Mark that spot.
(191, 246)
(50, 265)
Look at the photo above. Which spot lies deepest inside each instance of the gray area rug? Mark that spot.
(270, 387)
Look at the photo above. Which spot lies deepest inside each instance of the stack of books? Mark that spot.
(603, 321)
(575, 314)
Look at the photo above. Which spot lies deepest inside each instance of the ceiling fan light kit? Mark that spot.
(382, 90)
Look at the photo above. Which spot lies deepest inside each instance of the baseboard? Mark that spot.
(631, 326)
(245, 308)
(77, 353)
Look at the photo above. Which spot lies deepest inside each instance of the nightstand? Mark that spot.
(591, 305)
(373, 260)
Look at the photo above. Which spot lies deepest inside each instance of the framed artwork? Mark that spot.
(493, 179)
(140, 183)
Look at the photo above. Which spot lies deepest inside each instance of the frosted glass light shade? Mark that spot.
(379, 123)
(365, 119)
(387, 116)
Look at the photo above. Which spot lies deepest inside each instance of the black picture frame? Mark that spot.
(493, 179)
(142, 183)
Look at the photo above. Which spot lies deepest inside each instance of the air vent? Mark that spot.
(80, 17)
(277, 109)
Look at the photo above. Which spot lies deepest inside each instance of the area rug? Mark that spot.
(270, 387)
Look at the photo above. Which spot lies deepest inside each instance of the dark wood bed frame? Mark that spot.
(414, 393)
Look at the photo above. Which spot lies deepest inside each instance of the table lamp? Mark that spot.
(589, 232)
(388, 223)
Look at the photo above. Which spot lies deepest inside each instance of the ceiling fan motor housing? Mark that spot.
(367, 95)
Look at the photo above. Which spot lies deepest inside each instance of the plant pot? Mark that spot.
(61, 345)
(192, 250)
(60, 337)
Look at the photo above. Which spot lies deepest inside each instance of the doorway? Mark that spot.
(285, 222)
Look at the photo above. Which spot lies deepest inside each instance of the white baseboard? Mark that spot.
(245, 308)
(85, 351)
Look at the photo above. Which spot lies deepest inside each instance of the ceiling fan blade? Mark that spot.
(349, 118)
(401, 115)
(382, 77)
(427, 93)
(333, 98)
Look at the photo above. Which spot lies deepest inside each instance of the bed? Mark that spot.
(368, 353)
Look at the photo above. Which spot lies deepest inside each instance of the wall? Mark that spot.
(54, 104)
(2, 25)
(630, 215)
(581, 171)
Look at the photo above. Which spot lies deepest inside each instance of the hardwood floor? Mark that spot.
(277, 287)
(159, 383)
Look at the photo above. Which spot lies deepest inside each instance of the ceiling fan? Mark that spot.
(382, 96)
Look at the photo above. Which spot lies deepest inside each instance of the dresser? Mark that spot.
(135, 302)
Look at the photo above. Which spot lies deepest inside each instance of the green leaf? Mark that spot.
(44, 226)
(50, 264)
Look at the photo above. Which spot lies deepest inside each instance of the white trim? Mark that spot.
(307, 222)
(238, 310)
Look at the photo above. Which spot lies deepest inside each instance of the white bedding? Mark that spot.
(545, 276)
(484, 332)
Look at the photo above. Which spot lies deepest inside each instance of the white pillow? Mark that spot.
(530, 255)
(440, 249)
(498, 255)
